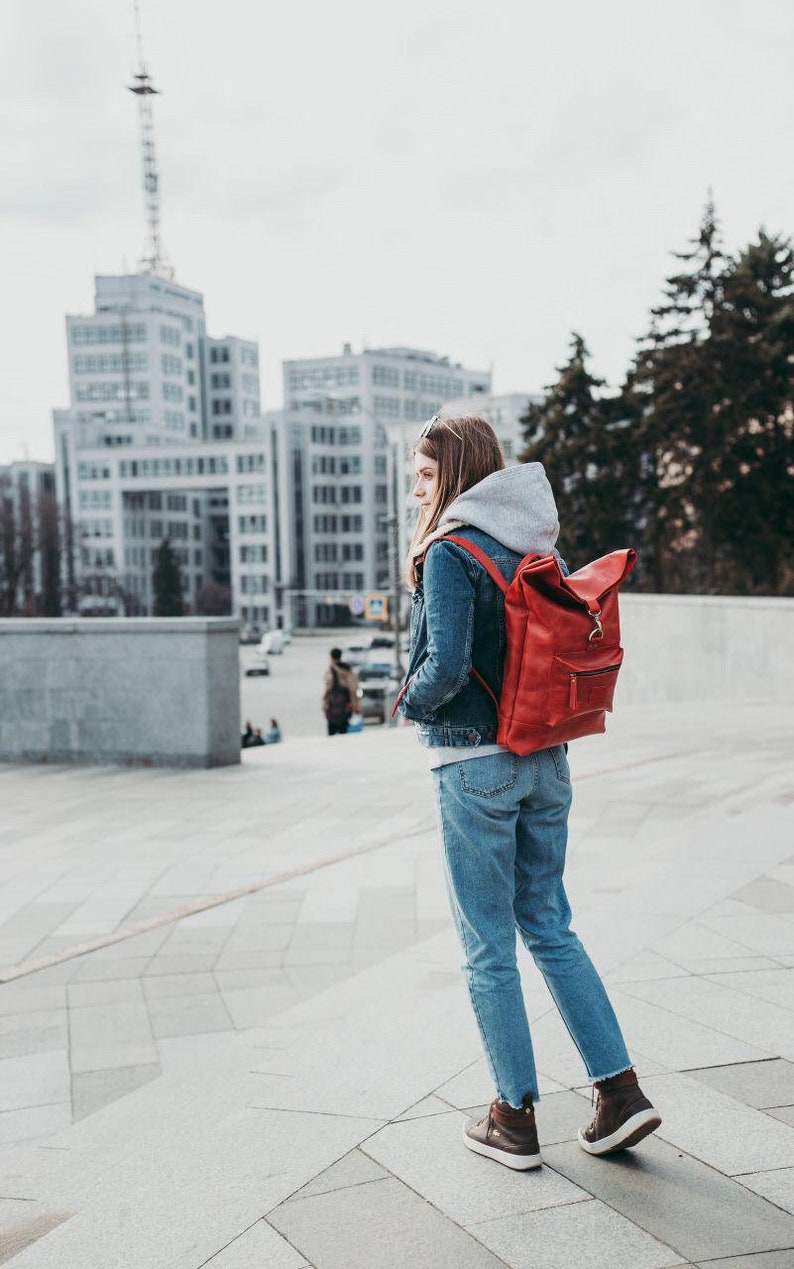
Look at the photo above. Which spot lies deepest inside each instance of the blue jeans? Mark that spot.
(504, 825)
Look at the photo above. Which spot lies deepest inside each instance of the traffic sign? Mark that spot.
(377, 607)
(357, 605)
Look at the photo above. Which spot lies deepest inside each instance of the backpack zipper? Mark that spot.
(575, 675)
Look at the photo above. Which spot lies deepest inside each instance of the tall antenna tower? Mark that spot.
(153, 261)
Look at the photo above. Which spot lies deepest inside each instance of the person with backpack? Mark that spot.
(503, 811)
(340, 693)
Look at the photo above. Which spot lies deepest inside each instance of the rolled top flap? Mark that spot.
(591, 582)
(588, 584)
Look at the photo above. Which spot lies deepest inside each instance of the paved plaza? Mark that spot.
(234, 1034)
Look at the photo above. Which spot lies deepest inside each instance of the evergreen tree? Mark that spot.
(577, 438)
(48, 545)
(11, 558)
(753, 333)
(672, 395)
(167, 583)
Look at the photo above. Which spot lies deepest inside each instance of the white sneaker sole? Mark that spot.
(519, 1162)
(628, 1134)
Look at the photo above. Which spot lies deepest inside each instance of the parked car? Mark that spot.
(381, 641)
(273, 641)
(355, 653)
(261, 666)
(249, 634)
(377, 686)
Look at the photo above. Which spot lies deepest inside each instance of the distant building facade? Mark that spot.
(342, 438)
(504, 412)
(163, 440)
(290, 516)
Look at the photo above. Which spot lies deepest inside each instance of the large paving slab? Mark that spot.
(682, 1202)
(209, 1089)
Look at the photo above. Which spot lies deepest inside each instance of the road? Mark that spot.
(292, 691)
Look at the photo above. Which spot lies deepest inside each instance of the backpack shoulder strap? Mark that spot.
(481, 558)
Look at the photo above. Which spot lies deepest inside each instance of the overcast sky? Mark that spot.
(473, 178)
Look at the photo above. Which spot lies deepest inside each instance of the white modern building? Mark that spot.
(344, 434)
(163, 440)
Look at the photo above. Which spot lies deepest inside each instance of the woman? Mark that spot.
(503, 818)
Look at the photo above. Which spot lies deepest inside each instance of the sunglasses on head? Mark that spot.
(429, 425)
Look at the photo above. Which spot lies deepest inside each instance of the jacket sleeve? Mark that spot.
(449, 611)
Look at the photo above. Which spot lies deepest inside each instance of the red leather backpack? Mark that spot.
(563, 647)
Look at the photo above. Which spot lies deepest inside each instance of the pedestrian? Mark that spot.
(247, 735)
(273, 733)
(340, 693)
(503, 818)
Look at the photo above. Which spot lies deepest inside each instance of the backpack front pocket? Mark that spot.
(578, 685)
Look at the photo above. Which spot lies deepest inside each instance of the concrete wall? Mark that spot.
(147, 691)
(706, 648)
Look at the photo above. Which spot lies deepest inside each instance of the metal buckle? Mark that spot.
(597, 633)
(428, 427)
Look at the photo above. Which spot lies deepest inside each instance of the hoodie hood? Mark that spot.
(514, 505)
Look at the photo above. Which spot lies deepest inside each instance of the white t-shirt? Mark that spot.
(443, 755)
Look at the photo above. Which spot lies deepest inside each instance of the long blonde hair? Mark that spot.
(466, 450)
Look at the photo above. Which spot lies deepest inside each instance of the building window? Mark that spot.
(251, 493)
(134, 333)
(250, 462)
(110, 363)
(93, 471)
(171, 335)
(253, 553)
(137, 390)
(95, 499)
(350, 493)
(171, 365)
(325, 552)
(323, 464)
(350, 465)
(252, 524)
(386, 375)
(352, 524)
(350, 436)
(387, 407)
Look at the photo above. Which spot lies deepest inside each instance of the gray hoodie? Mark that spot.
(514, 505)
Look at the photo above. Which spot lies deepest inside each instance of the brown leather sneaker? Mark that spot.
(507, 1135)
(623, 1116)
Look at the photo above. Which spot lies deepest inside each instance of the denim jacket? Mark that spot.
(457, 621)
